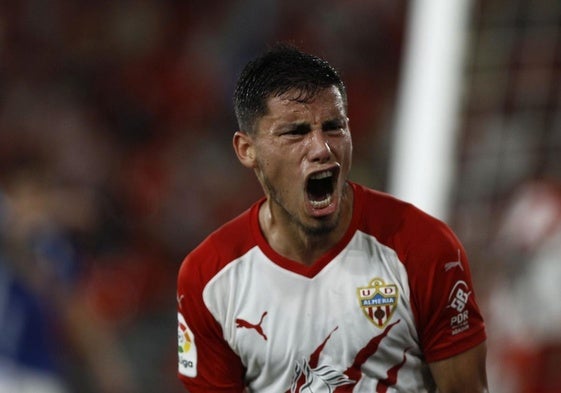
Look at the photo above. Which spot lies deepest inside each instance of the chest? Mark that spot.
(353, 319)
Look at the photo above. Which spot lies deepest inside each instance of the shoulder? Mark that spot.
(399, 223)
(224, 245)
(409, 231)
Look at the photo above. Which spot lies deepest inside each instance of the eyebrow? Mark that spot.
(333, 123)
(303, 127)
(295, 127)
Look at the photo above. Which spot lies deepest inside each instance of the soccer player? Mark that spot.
(323, 285)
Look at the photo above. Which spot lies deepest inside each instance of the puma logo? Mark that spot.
(242, 323)
(450, 265)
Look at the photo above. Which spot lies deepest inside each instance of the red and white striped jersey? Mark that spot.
(392, 296)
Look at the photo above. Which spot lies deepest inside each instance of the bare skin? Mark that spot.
(463, 373)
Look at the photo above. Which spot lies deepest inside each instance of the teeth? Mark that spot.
(321, 175)
(321, 204)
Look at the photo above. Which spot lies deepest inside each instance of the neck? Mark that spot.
(291, 240)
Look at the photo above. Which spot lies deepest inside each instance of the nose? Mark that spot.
(319, 149)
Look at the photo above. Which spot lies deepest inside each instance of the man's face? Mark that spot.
(303, 157)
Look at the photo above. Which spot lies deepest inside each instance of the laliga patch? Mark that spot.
(378, 301)
(458, 300)
(186, 348)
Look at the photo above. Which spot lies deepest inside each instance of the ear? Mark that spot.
(244, 148)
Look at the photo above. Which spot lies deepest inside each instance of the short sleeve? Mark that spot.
(205, 361)
(449, 321)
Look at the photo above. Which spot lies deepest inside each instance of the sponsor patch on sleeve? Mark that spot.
(187, 350)
(457, 301)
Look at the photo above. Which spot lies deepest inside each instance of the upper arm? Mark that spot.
(450, 325)
(444, 304)
(463, 373)
(206, 361)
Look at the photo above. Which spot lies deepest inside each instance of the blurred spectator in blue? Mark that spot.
(47, 325)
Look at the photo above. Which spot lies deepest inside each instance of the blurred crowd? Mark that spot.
(523, 301)
(507, 200)
(115, 160)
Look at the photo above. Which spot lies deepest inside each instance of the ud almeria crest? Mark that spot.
(378, 301)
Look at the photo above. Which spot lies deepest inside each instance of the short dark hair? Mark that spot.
(280, 69)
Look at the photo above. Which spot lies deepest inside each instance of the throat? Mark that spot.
(304, 239)
(307, 251)
(293, 240)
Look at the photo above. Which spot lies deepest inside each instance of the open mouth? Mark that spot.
(320, 188)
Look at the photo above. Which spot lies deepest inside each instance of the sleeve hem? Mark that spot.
(457, 348)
